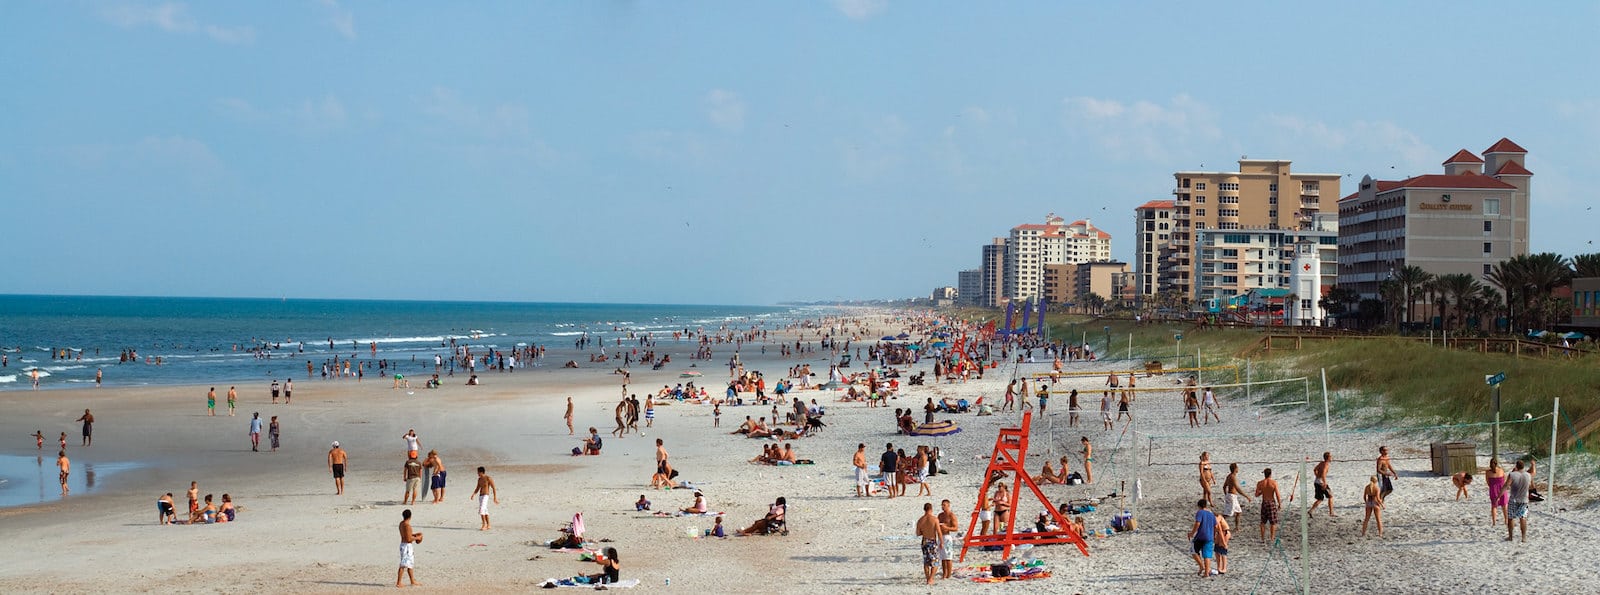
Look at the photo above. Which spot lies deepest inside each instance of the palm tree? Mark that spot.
(1459, 288)
(1528, 280)
(1412, 279)
(1392, 294)
(1586, 265)
(1339, 300)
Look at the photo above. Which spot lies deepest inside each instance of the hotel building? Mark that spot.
(1465, 220)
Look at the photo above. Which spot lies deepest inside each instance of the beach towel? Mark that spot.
(550, 583)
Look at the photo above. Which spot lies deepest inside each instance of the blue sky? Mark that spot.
(715, 152)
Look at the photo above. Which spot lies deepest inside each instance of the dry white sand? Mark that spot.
(294, 534)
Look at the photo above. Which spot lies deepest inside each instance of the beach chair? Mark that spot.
(780, 526)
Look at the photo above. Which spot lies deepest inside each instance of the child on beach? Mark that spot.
(38, 437)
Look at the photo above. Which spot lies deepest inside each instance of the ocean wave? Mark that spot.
(42, 373)
(8, 378)
(568, 333)
(62, 368)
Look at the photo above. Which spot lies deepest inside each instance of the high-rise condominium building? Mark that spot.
(1152, 223)
(993, 273)
(1032, 246)
(1465, 220)
(1263, 194)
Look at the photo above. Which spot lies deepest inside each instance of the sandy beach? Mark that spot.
(294, 535)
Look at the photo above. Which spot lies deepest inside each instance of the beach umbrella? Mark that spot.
(940, 344)
(1573, 335)
(938, 428)
(903, 336)
(913, 347)
(887, 339)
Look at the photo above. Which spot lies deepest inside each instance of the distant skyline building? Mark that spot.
(1032, 246)
(1262, 194)
(993, 272)
(1465, 220)
(969, 287)
(1073, 283)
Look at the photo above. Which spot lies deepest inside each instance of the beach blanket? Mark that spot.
(567, 582)
(938, 428)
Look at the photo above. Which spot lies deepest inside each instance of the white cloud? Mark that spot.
(159, 155)
(340, 18)
(725, 109)
(328, 113)
(174, 17)
(1142, 129)
(1381, 148)
(861, 10)
(489, 121)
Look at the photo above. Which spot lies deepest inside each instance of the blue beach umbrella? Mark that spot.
(887, 339)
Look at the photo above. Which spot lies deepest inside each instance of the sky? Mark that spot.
(716, 152)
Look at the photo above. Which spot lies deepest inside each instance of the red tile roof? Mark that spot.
(1512, 168)
(1463, 156)
(1504, 146)
(1444, 181)
(1156, 204)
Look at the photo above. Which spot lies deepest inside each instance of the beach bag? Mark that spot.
(1074, 479)
(1000, 570)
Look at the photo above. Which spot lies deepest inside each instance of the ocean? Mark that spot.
(209, 340)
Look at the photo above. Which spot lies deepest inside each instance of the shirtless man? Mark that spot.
(633, 413)
(434, 468)
(1231, 493)
(233, 398)
(568, 416)
(66, 469)
(1386, 474)
(931, 536)
(621, 412)
(483, 492)
(408, 560)
(1320, 485)
(1271, 502)
(88, 427)
(336, 461)
(859, 461)
(947, 533)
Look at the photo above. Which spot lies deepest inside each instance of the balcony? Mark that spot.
(1181, 215)
(1181, 200)
(1309, 191)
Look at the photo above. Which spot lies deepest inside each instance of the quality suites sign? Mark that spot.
(1433, 206)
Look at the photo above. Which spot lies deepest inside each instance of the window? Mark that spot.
(1200, 186)
(1200, 212)
(1230, 278)
(1488, 247)
(1487, 268)
(1488, 226)
(1228, 212)
(1228, 200)
(1186, 182)
(1230, 253)
(1272, 200)
(1228, 186)
(1236, 238)
(1491, 206)
(1273, 187)
(1200, 198)
(1272, 213)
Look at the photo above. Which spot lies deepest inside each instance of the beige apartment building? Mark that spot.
(1033, 246)
(1071, 283)
(1262, 194)
(1465, 220)
(1152, 224)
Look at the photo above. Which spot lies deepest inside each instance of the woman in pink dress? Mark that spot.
(1498, 496)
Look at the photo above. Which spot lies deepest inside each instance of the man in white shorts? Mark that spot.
(408, 557)
(947, 543)
(886, 463)
(483, 492)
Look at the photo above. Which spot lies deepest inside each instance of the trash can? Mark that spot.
(1450, 458)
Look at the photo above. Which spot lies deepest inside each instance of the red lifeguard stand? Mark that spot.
(1010, 455)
